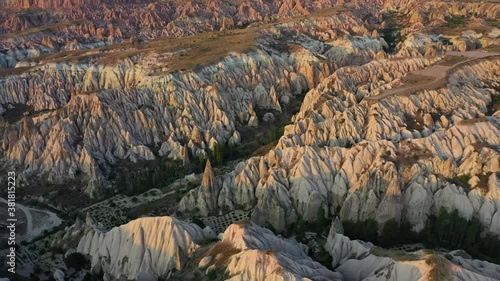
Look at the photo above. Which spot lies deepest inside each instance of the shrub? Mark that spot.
(464, 178)
(321, 221)
(76, 261)
(391, 234)
(362, 230)
(198, 222)
(456, 22)
(212, 275)
(440, 268)
(300, 230)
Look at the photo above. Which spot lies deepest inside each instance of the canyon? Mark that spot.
(255, 140)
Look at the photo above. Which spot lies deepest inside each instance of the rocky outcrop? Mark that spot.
(156, 245)
(381, 176)
(357, 260)
(342, 249)
(473, 269)
(91, 115)
(257, 254)
(353, 259)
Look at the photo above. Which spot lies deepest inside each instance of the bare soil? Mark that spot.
(435, 76)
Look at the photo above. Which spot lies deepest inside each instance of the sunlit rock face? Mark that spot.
(102, 93)
(394, 168)
(96, 113)
(395, 117)
(156, 245)
(258, 254)
(92, 114)
(159, 245)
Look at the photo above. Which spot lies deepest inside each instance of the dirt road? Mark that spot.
(434, 76)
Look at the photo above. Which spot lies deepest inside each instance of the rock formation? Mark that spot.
(398, 119)
(260, 255)
(155, 244)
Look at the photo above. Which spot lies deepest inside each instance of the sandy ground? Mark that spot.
(31, 222)
(438, 73)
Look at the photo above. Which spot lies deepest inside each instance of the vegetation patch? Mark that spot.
(456, 21)
(16, 113)
(221, 253)
(362, 230)
(440, 268)
(493, 22)
(464, 179)
(77, 261)
(392, 30)
(396, 255)
(495, 103)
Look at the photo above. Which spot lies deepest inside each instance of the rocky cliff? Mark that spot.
(89, 116)
(390, 171)
(247, 251)
(155, 245)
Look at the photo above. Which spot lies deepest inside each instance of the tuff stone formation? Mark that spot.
(140, 246)
(391, 111)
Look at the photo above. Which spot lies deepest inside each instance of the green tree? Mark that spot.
(76, 261)
(362, 230)
(370, 230)
(472, 233)
(407, 234)
(489, 246)
(202, 161)
(321, 221)
(391, 234)
(442, 224)
(217, 154)
(300, 230)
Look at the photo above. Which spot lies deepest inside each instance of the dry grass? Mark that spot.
(409, 154)
(183, 53)
(221, 253)
(13, 71)
(137, 211)
(483, 182)
(457, 29)
(452, 60)
(34, 30)
(320, 13)
(440, 268)
(198, 50)
(70, 55)
(207, 48)
(263, 150)
(395, 255)
(493, 48)
(421, 82)
(473, 121)
(424, 85)
(195, 51)
(411, 79)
